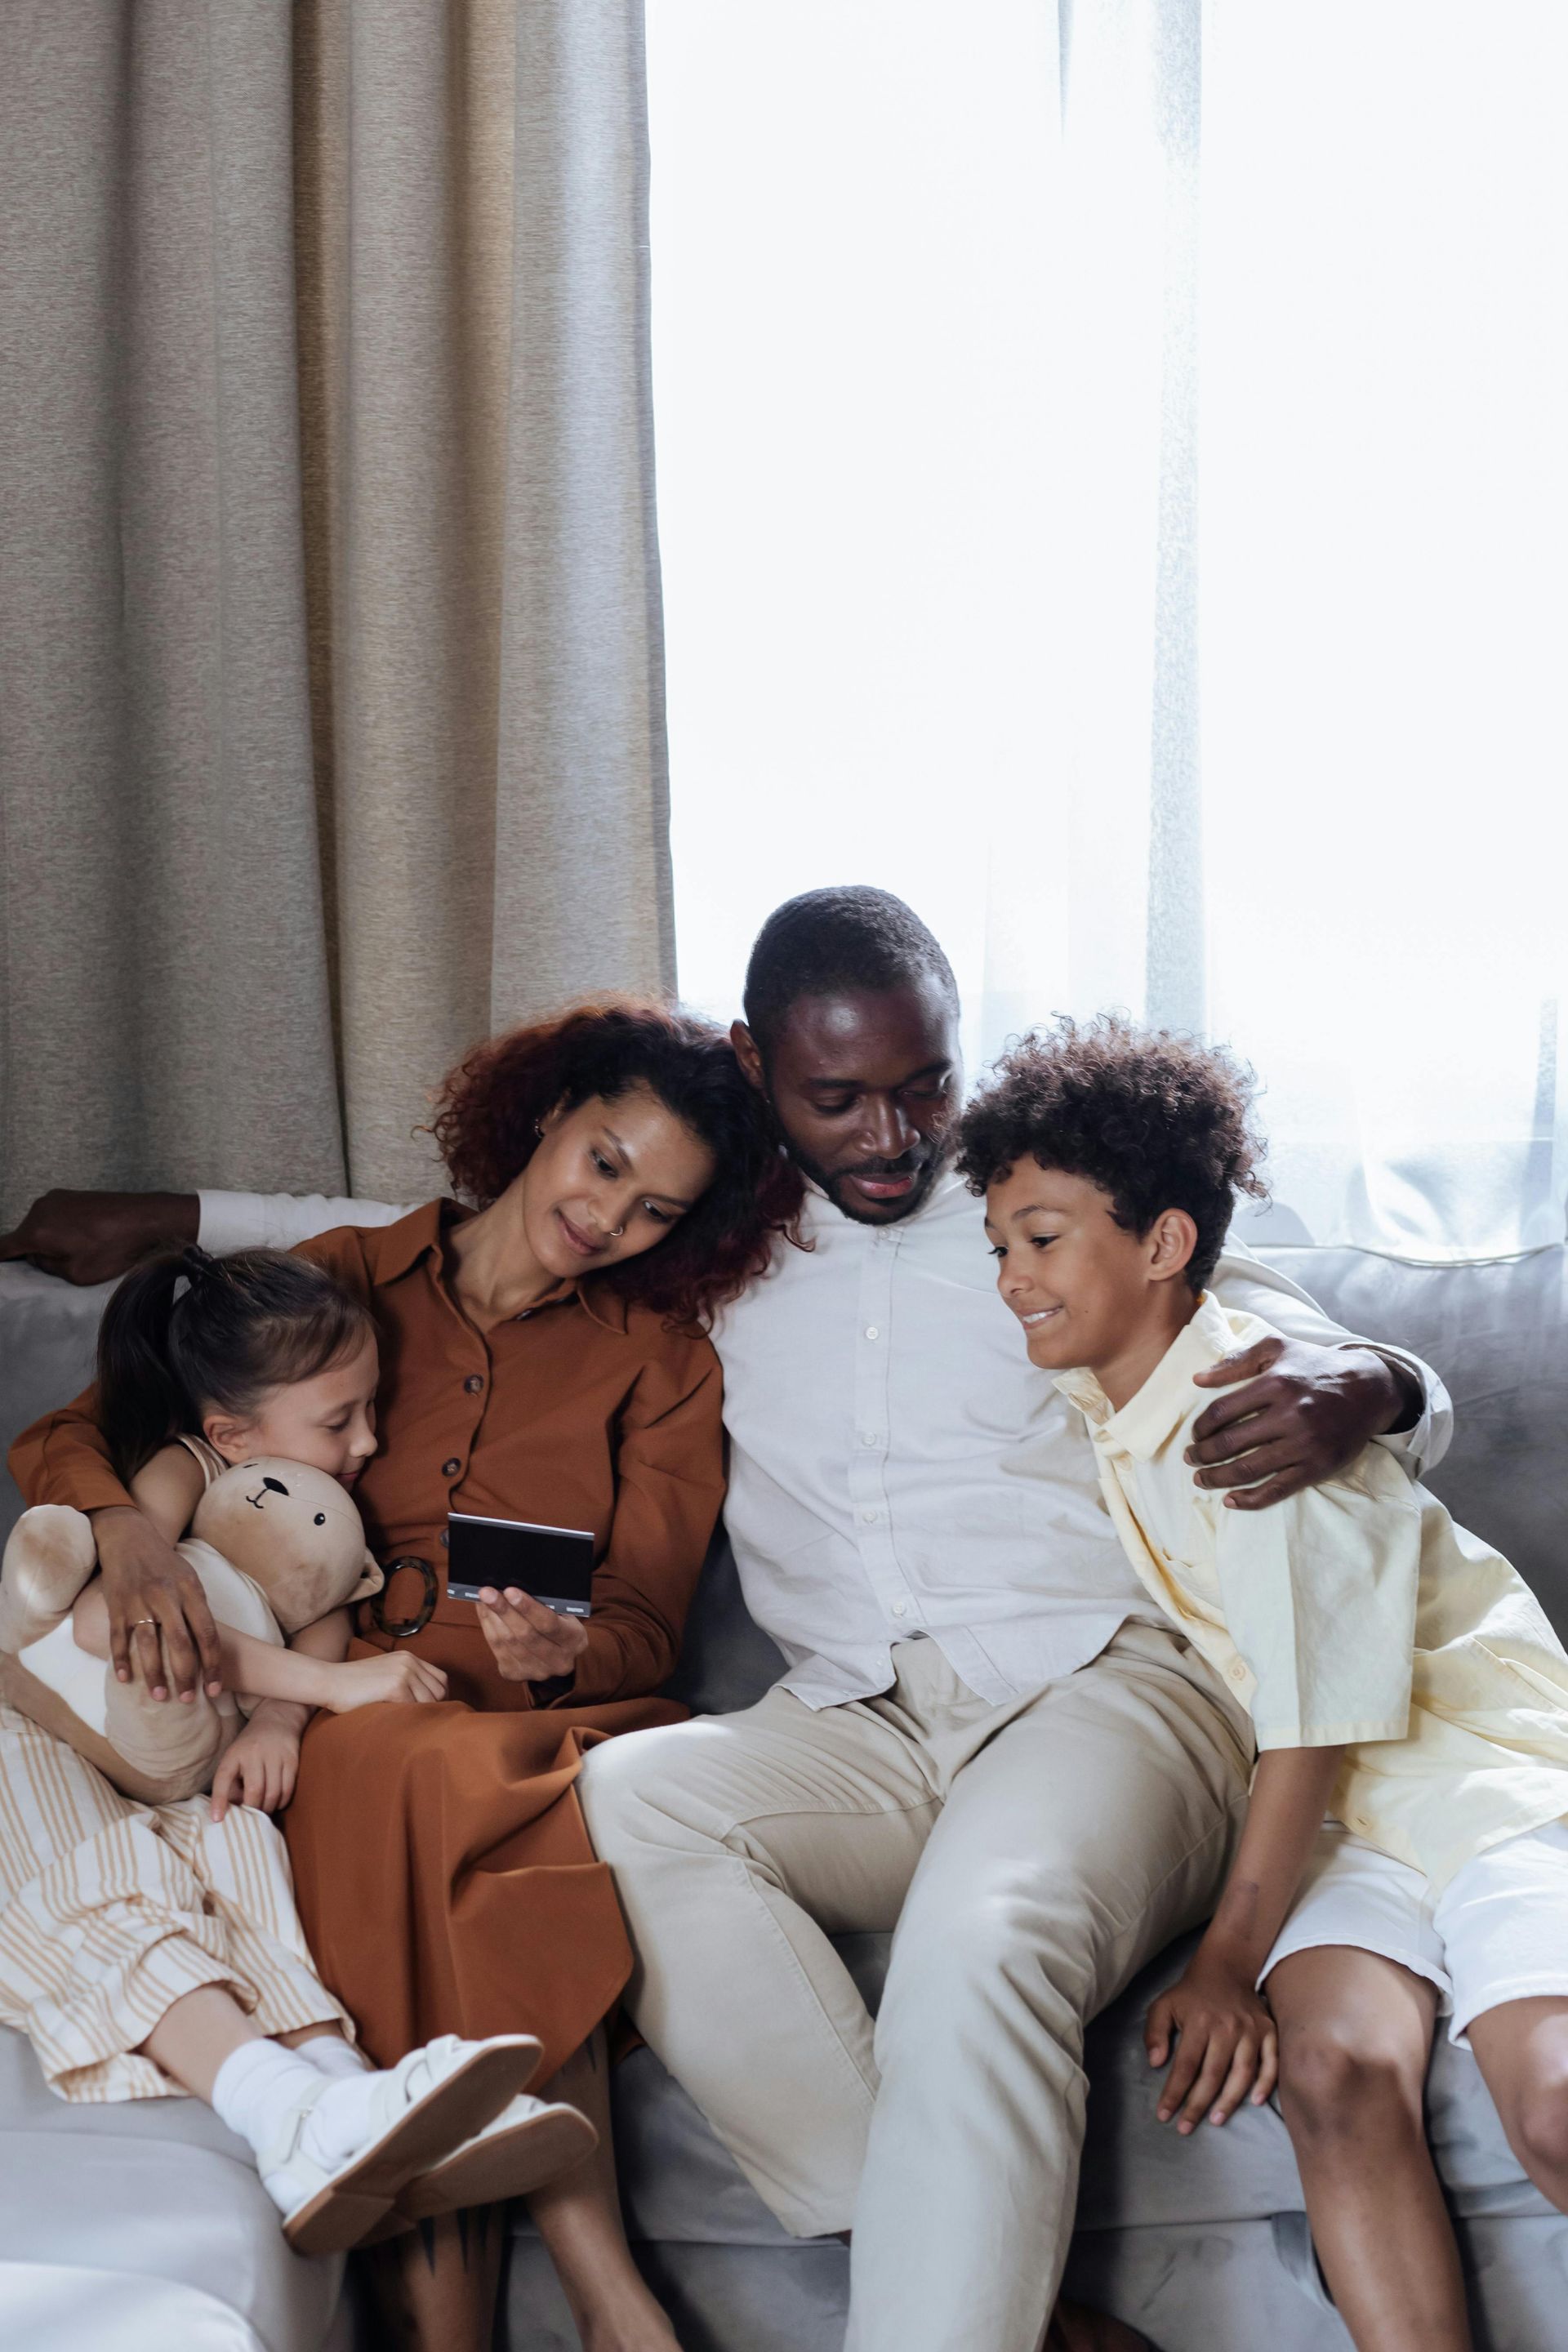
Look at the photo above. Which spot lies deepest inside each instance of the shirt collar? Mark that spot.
(421, 1233)
(1163, 1403)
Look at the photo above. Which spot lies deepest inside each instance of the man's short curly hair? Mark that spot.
(850, 937)
(1155, 1120)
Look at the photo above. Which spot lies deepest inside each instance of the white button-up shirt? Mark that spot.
(898, 1467)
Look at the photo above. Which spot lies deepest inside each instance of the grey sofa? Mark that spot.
(1203, 2243)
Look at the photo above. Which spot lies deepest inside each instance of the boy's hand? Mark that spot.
(396, 1676)
(260, 1767)
(1226, 2045)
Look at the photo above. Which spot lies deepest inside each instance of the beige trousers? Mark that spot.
(111, 1910)
(1030, 1857)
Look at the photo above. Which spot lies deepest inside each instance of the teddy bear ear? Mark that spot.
(371, 1581)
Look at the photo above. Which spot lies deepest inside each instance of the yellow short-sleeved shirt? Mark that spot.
(1354, 1612)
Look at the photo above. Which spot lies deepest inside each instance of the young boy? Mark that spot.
(1401, 1678)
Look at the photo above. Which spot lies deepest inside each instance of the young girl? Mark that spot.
(1400, 1676)
(204, 1362)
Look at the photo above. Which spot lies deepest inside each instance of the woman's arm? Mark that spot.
(157, 1609)
(1226, 2039)
(669, 1483)
(167, 1490)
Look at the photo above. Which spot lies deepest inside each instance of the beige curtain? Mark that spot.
(332, 731)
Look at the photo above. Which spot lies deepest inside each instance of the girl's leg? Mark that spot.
(195, 2034)
(1355, 2035)
(1521, 2049)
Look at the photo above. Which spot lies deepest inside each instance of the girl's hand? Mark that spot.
(1227, 2045)
(259, 1767)
(394, 1676)
(529, 1643)
(156, 1607)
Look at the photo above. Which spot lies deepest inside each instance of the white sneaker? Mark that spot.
(430, 2103)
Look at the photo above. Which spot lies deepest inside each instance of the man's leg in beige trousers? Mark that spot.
(1089, 1827)
(740, 1843)
(1092, 1828)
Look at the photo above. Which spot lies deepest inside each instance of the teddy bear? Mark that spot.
(275, 1545)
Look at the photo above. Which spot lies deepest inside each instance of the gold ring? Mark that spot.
(142, 1621)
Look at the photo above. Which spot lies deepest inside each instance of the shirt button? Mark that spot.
(869, 1517)
(474, 1383)
(872, 1332)
(901, 1608)
(450, 1469)
(868, 1437)
(1237, 1671)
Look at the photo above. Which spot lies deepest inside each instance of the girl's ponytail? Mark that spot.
(168, 1355)
(140, 1403)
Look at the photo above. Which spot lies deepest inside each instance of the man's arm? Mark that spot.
(1298, 1409)
(88, 1237)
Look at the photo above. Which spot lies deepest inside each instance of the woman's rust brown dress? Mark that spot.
(441, 1863)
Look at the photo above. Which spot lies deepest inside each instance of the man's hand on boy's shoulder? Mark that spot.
(1293, 1414)
(88, 1237)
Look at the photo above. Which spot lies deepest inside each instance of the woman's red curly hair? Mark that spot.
(486, 1127)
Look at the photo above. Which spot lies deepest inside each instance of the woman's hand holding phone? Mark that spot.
(528, 1642)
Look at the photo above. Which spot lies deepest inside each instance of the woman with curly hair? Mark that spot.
(543, 1357)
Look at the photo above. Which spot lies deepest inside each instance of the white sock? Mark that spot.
(258, 2087)
(329, 2054)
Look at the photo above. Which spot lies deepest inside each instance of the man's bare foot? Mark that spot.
(1075, 2329)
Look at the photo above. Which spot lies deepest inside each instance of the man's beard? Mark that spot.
(924, 1163)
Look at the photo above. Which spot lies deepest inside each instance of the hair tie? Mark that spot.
(198, 1264)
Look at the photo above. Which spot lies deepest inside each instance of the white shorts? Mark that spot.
(1498, 1932)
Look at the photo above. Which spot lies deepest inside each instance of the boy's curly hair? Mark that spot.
(1156, 1120)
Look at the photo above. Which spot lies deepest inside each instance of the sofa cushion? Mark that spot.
(151, 2190)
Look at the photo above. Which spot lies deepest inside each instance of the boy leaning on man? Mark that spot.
(1405, 1851)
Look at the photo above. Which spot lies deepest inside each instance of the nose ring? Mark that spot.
(615, 1231)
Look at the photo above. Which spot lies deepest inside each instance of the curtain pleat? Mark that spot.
(164, 1001)
(332, 735)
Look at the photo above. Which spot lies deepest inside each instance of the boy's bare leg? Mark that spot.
(579, 2219)
(1355, 2036)
(1521, 2049)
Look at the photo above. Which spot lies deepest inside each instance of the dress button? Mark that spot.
(871, 1331)
(450, 1469)
(474, 1383)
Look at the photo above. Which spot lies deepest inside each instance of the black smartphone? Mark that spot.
(554, 1564)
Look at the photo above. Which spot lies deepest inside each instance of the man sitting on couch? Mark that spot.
(982, 1734)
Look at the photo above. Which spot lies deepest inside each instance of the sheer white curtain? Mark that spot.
(1113, 488)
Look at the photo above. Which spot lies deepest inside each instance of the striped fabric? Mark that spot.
(111, 1910)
